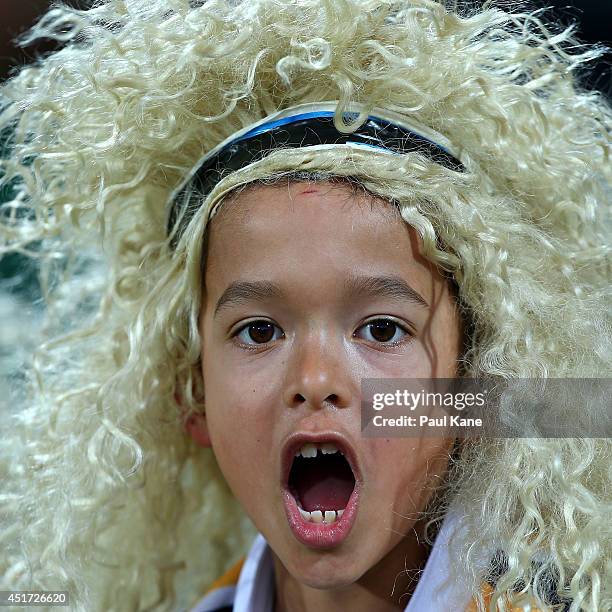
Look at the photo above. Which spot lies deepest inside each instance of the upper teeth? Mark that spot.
(310, 450)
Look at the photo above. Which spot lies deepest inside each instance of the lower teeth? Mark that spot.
(317, 516)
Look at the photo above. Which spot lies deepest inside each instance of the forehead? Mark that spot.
(339, 200)
(317, 229)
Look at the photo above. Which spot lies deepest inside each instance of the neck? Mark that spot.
(386, 587)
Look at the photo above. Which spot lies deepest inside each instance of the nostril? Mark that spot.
(332, 400)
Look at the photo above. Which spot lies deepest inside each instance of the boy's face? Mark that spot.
(296, 370)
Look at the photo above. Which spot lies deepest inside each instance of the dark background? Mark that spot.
(593, 16)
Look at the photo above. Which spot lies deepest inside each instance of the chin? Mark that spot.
(325, 583)
(323, 575)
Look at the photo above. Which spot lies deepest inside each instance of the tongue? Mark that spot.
(321, 487)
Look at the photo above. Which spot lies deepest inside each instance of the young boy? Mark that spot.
(354, 299)
(268, 203)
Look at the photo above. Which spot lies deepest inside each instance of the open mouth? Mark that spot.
(321, 486)
(321, 481)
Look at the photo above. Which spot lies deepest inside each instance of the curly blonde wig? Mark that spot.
(103, 493)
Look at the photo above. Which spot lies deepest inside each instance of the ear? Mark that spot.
(197, 428)
(195, 425)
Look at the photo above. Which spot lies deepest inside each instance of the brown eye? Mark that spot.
(261, 331)
(257, 332)
(385, 331)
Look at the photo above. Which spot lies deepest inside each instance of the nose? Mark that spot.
(318, 373)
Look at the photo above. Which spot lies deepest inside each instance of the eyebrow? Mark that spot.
(393, 287)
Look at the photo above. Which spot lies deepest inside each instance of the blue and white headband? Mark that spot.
(306, 125)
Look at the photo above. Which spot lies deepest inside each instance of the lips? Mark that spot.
(319, 529)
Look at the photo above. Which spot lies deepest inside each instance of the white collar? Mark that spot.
(434, 591)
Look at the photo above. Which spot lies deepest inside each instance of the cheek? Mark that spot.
(412, 468)
(238, 429)
(237, 449)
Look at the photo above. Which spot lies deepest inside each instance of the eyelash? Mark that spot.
(405, 340)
